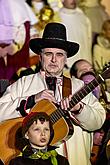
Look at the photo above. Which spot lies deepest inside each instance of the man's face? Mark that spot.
(86, 67)
(38, 134)
(53, 61)
(70, 4)
(83, 67)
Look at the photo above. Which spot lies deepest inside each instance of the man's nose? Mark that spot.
(53, 59)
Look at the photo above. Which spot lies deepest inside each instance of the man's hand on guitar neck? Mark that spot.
(76, 109)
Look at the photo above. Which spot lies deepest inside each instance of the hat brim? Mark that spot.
(37, 44)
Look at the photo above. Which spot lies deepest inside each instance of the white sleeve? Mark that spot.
(10, 101)
(93, 114)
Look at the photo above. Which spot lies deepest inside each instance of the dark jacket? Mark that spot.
(25, 160)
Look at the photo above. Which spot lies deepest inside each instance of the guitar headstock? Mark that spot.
(106, 71)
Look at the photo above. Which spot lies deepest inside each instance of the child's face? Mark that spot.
(38, 134)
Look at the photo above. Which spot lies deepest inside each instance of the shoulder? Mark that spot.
(24, 85)
(31, 76)
(20, 160)
(76, 81)
(79, 10)
(81, 13)
(77, 84)
(26, 80)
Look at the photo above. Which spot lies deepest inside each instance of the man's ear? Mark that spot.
(26, 135)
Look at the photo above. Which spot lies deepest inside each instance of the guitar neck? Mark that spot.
(77, 97)
(84, 91)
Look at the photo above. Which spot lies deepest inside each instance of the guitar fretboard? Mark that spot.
(56, 115)
(84, 91)
(77, 97)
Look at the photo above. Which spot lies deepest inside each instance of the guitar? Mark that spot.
(62, 125)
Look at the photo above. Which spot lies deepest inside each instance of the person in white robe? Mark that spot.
(78, 30)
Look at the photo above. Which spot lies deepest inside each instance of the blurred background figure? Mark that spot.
(107, 91)
(96, 13)
(44, 14)
(15, 24)
(78, 29)
(101, 49)
(83, 70)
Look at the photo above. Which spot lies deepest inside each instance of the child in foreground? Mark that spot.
(37, 129)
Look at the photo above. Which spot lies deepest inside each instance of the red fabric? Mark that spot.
(28, 117)
(18, 60)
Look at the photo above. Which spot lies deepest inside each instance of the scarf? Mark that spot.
(52, 154)
(41, 154)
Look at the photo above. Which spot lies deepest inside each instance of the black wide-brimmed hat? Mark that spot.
(54, 36)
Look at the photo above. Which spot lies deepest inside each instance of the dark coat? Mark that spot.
(24, 160)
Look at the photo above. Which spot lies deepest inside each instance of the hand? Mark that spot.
(45, 94)
(65, 104)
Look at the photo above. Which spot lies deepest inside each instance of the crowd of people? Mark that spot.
(72, 53)
(30, 19)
